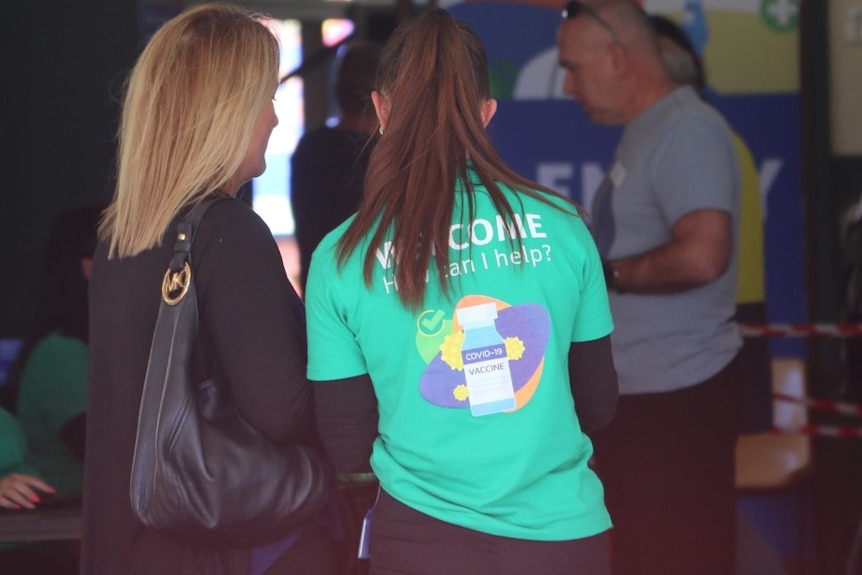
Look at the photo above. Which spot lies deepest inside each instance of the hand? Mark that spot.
(19, 491)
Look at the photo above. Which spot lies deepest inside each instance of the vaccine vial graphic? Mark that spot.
(486, 365)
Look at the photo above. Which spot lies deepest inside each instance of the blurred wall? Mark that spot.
(64, 63)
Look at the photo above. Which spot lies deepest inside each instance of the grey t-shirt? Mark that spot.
(675, 158)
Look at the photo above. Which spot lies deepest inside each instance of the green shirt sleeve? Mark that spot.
(13, 447)
(333, 352)
(594, 313)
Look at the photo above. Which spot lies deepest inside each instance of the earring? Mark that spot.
(380, 129)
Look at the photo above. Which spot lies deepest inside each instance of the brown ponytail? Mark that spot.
(434, 72)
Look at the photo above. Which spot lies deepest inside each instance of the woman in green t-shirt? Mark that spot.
(22, 490)
(49, 378)
(459, 335)
(19, 485)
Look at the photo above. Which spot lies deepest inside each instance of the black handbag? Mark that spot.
(199, 469)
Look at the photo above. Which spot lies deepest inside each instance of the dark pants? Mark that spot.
(756, 360)
(315, 553)
(667, 464)
(407, 542)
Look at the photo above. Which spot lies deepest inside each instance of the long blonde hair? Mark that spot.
(189, 110)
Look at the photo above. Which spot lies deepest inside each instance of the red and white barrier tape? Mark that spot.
(841, 431)
(813, 330)
(823, 404)
(842, 407)
(801, 329)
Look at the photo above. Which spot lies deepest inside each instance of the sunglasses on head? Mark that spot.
(573, 9)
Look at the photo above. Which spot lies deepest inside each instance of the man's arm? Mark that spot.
(699, 253)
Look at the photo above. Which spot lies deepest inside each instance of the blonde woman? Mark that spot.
(196, 118)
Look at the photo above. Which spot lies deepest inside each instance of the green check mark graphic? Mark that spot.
(431, 323)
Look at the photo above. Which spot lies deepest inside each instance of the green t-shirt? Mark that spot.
(13, 446)
(13, 454)
(477, 422)
(53, 391)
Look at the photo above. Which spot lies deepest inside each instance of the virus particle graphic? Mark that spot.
(461, 392)
(514, 347)
(450, 350)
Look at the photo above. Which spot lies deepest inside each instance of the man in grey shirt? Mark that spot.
(666, 221)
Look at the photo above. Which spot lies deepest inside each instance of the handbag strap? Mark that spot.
(178, 277)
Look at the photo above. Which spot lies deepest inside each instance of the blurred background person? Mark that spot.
(22, 490)
(50, 376)
(327, 179)
(666, 223)
(686, 67)
(327, 169)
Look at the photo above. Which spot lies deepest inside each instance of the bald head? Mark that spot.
(610, 53)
